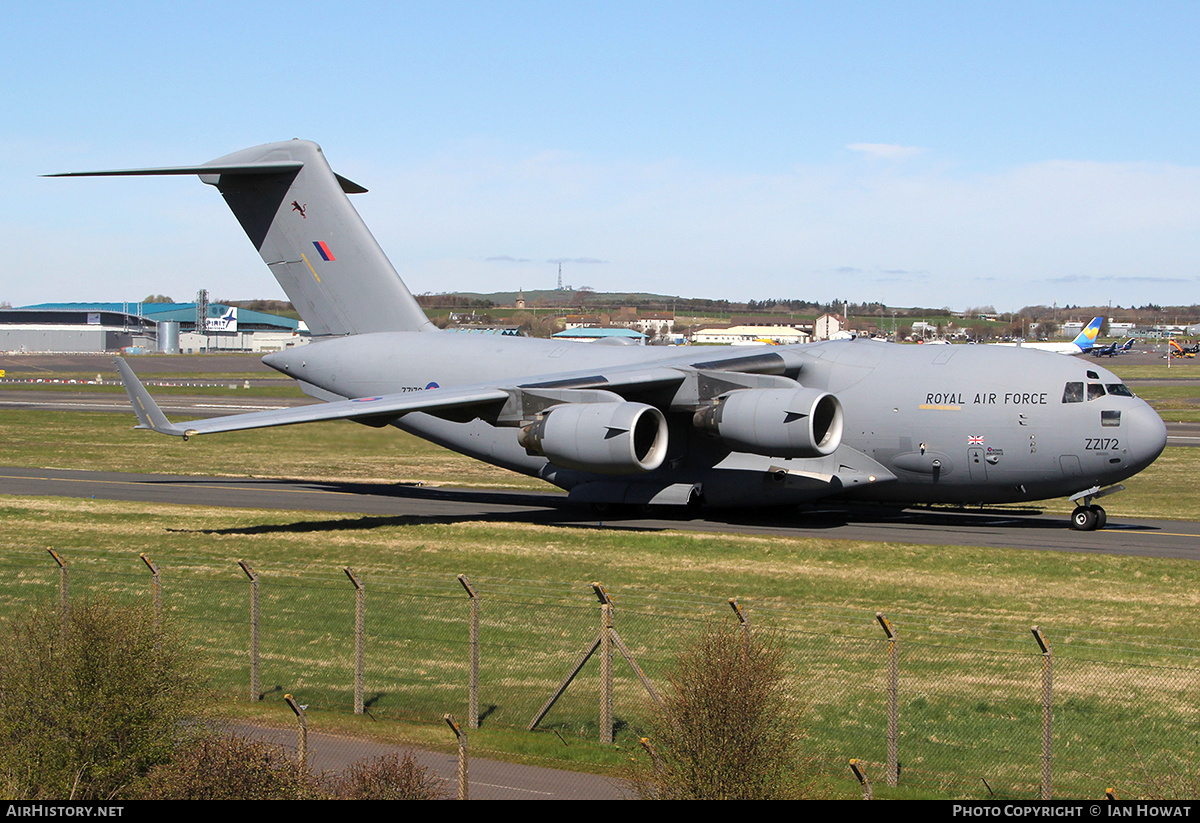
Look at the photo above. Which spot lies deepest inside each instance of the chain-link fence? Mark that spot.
(986, 710)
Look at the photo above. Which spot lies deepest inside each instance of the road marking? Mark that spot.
(509, 788)
(119, 406)
(234, 407)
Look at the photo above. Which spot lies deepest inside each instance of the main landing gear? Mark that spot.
(1088, 516)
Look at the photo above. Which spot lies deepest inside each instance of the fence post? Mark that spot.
(645, 741)
(473, 652)
(64, 602)
(606, 667)
(893, 692)
(462, 754)
(360, 621)
(156, 590)
(255, 687)
(1047, 709)
(302, 742)
(604, 642)
(743, 621)
(864, 781)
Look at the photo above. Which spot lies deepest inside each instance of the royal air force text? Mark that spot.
(987, 399)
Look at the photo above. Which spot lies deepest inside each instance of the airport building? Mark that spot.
(147, 327)
(745, 335)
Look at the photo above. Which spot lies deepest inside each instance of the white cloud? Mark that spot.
(884, 151)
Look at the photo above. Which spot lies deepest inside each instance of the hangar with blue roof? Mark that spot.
(114, 327)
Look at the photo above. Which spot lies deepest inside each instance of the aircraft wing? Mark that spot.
(384, 408)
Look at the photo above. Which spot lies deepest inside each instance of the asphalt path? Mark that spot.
(379, 504)
(487, 779)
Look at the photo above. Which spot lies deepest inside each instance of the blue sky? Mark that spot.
(937, 154)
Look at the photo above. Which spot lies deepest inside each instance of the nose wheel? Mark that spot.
(1088, 518)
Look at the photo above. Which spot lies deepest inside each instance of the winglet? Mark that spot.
(148, 413)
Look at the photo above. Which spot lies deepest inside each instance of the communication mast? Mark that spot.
(202, 315)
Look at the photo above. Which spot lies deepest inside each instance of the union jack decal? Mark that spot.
(975, 440)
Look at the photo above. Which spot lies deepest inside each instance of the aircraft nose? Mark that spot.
(1147, 435)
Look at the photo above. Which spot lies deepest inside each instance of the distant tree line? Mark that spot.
(984, 321)
(452, 301)
(269, 306)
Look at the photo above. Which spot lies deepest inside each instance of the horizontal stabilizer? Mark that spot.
(270, 167)
(274, 167)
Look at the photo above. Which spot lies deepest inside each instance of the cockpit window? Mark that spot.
(1095, 391)
(1073, 393)
(1119, 389)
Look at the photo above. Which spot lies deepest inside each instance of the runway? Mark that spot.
(384, 504)
(188, 406)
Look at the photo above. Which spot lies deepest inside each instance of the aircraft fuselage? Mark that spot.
(958, 424)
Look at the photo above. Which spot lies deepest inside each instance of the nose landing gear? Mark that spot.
(1087, 515)
(1088, 518)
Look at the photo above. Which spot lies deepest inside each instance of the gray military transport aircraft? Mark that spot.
(612, 424)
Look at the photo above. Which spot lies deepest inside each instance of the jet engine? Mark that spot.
(606, 438)
(775, 422)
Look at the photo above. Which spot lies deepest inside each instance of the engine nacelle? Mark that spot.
(776, 422)
(605, 438)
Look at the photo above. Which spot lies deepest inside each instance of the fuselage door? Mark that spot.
(977, 465)
(1069, 463)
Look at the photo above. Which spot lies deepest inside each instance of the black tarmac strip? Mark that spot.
(381, 504)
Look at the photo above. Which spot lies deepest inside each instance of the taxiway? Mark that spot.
(383, 504)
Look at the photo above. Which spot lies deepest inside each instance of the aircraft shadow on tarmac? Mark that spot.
(550, 509)
(368, 522)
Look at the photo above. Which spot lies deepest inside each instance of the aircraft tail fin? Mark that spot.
(1087, 338)
(295, 211)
